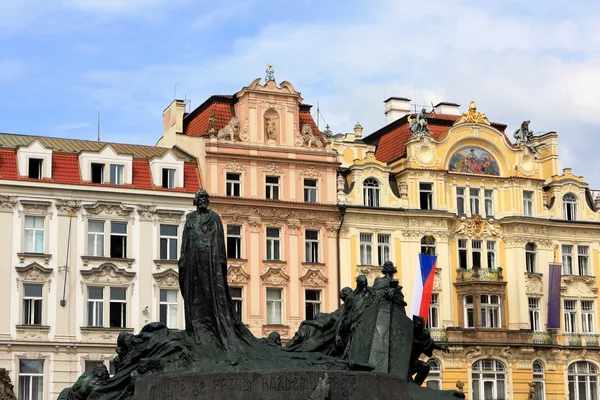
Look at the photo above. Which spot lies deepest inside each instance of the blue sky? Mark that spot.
(62, 61)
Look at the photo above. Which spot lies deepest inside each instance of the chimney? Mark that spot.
(396, 108)
(447, 108)
(172, 122)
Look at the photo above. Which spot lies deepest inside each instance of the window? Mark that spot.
(583, 381)
(490, 311)
(428, 245)
(35, 168)
(234, 241)
(469, 312)
(95, 306)
(97, 173)
(530, 257)
(460, 200)
(476, 253)
(538, 378)
(96, 238)
(587, 316)
(474, 199)
(383, 248)
(90, 365)
(31, 379)
(491, 254)
(489, 380)
(567, 259)
(312, 246)
(570, 313)
(32, 304)
(583, 260)
(433, 320)
(371, 192)
(272, 187)
(313, 303)
(534, 314)
(462, 253)
(273, 244)
(310, 190)
(168, 242)
(116, 174)
(570, 206)
(34, 234)
(274, 306)
(118, 307)
(528, 203)
(489, 202)
(168, 178)
(426, 196)
(118, 239)
(236, 297)
(366, 248)
(434, 379)
(233, 184)
(168, 308)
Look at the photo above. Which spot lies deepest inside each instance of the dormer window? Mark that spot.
(97, 173)
(168, 178)
(570, 206)
(116, 174)
(35, 168)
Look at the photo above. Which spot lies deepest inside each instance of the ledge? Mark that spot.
(169, 263)
(35, 256)
(32, 327)
(99, 329)
(87, 259)
(488, 335)
(276, 262)
(313, 265)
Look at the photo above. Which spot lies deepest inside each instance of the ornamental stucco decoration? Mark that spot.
(231, 131)
(275, 276)
(145, 211)
(167, 278)
(533, 284)
(236, 273)
(234, 166)
(34, 272)
(65, 207)
(425, 154)
(473, 116)
(311, 172)
(108, 209)
(7, 203)
(272, 168)
(306, 137)
(314, 278)
(476, 227)
(107, 273)
(34, 207)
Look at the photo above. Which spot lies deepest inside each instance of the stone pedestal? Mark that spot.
(271, 385)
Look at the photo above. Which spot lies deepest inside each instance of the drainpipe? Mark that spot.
(342, 211)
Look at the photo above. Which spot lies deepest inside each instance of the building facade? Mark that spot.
(90, 241)
(496, 213)
(272, 178)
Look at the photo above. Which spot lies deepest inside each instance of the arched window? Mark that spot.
(538, 378)
(428, 245)
(570, 206)
(371, 192)
(583, 381)
(489, 380)
(434, 379)
(530, 257)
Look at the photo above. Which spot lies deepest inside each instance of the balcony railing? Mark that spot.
(439, 334)
(479, 274)
(576, 339)
(542, 338)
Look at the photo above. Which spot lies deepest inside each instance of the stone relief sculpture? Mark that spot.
(271, 117)
(307, 138)
(369, 332)
(231, 131)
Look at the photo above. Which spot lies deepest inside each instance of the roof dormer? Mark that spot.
(35, 161)
(106, 166)
(167, 170)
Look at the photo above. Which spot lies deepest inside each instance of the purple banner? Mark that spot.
(554, 297)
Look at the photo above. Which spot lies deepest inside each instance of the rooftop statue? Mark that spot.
(419, 126)
(524, 137)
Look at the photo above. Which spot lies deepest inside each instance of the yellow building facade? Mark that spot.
(496, 213)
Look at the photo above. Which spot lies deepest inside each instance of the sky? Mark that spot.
(63, 61)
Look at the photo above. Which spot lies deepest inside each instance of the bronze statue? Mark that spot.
(86, 384)
(6, 388)
(422, 344)
(419, 126)
(209, 311)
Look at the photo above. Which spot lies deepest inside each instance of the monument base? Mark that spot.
(272, 385)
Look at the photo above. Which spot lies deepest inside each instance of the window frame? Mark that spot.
(588, 316)
(428, 242)
(531, 258)
(238, 301)
(312, 246)
(488, 319)
(460, 199)
(124, 238)
(106, 302)
(483, 374)
(233, 185)
(366, 248)
(371, 193)
(273, 189)
(98, 174)
(384, 249)
(273, 244)
(426, 195)
(570, 206)
(38, 169)
(311, 191)
(235, 238)
(315, 304)
(116, 171)
(539, 379)
(122, 303)
(583, 260)
(271, 305)
(570, 317)
(172, 241)
(31, 375)
(434, 311)
(535, 322)
(469, 308)
(474, 201)
(29, 246)
(171, 178)
(567, 259)
(574, 380)
(99, 238)
(30, 303)
(435, 374)
(528, 203)
(488, 200)
(168, 306)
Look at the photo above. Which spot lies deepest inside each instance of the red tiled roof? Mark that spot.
(191, 177)
(306, 118)
(8, 164)
(65, 168)
(198, 125)
(393, 137)
(141, 175)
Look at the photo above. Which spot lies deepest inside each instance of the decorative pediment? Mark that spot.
(236, 274)
(107, 273)
(67, 207)
(168, 216)
(234, 166)
(145, 211)
(314, 278)
(275, 276)
(7, 203)
(272, 169)
(311, 172)
(476, 227)
(167, 278)
(108, 209)
(579, 286)
(33, 272)
(35, 207)
(533, 284)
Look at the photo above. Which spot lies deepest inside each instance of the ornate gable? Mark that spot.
(275, 276)
(33, 272)
(314, 278)
(107, 273)
(167, 278)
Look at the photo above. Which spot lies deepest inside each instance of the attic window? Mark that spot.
(97, 173)
(168, 178)
(35, 168)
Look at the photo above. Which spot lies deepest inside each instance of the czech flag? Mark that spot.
(423, 286)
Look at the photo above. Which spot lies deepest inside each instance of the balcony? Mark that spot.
(439, 334)
(488, 335)
(542, 337)
(581, 340)
(479, 274)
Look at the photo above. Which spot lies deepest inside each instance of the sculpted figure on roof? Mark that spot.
(419, 126)
(231, 131)
(524, 136)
